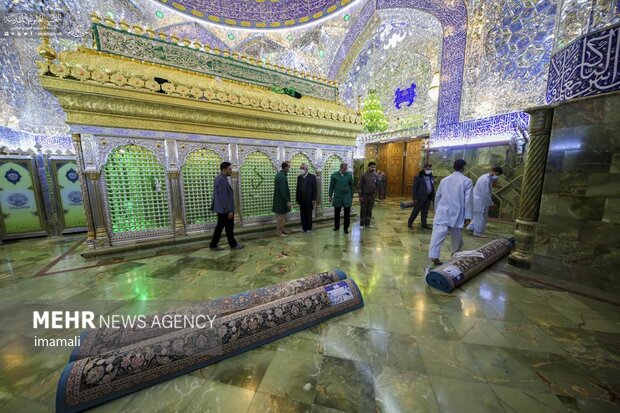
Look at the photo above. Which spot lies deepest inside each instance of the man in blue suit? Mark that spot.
(224, 206)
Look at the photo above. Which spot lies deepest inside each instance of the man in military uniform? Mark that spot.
(341, 196)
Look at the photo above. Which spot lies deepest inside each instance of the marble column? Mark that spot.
(174, 177)
(90, 223)
(318, 212)
(531, 189)
(236, 185)
(93, 182)
(47, 194)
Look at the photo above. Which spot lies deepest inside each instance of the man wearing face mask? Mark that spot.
(306, 196)
(452, 211)
(369, 184)
(423, 194)
(482, 200)
(382, 185)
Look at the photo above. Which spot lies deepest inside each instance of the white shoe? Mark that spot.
(283, 235)
(361, 227)
(370, 226)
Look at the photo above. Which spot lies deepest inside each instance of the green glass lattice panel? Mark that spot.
(199, 172)
(296, 161)
(137, 190)
(332, 164)
(257, 185)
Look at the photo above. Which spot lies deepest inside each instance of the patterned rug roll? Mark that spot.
(450, 275)
(94, 380)
(103, 340)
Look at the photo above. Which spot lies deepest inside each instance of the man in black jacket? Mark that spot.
(423, 194)
(369, 183)
(306, 196)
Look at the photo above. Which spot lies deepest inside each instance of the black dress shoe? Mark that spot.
(409, 226)
(427, 227)
(336, 229)
(346, 231)
(216, 248)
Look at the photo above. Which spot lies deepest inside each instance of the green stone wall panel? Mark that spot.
(574, 207)
(257, 175)
(615, 162)
(480, 160)
(578, 234)
(612, 210)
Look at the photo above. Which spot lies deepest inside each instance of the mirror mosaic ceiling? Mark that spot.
(509, 44)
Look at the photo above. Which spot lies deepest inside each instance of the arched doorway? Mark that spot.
(453, 17)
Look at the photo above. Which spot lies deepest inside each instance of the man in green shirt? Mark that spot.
(341, 196)
(281, 198)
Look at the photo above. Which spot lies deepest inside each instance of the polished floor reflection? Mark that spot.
(506, 341)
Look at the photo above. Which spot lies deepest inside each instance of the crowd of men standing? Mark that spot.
(340, 196)
(458, 203)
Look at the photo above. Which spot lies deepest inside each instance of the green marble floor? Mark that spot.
(503, 342)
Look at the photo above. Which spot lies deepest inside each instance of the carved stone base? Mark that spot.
(179, 227)
(524, 236)
(93, 244)
(519, 262)
(101, 238)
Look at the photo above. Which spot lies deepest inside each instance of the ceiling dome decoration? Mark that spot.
(258, 14)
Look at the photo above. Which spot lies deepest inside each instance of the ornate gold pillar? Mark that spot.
(531, 188)
(93, 182)
(236, 185)
(319, 189)
(174, 177)
(90, 224)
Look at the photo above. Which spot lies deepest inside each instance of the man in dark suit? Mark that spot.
(224, 206)
(306, 196)
(369, 183)
(281, 198)
(423, 194)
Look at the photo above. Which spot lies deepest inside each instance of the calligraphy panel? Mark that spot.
(587, 67)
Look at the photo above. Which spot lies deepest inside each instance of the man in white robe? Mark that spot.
(482, 200)
(453, 210)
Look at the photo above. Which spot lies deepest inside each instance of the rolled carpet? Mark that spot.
(450, 275)
(94, 380)
(103, 340)
(408, 204)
